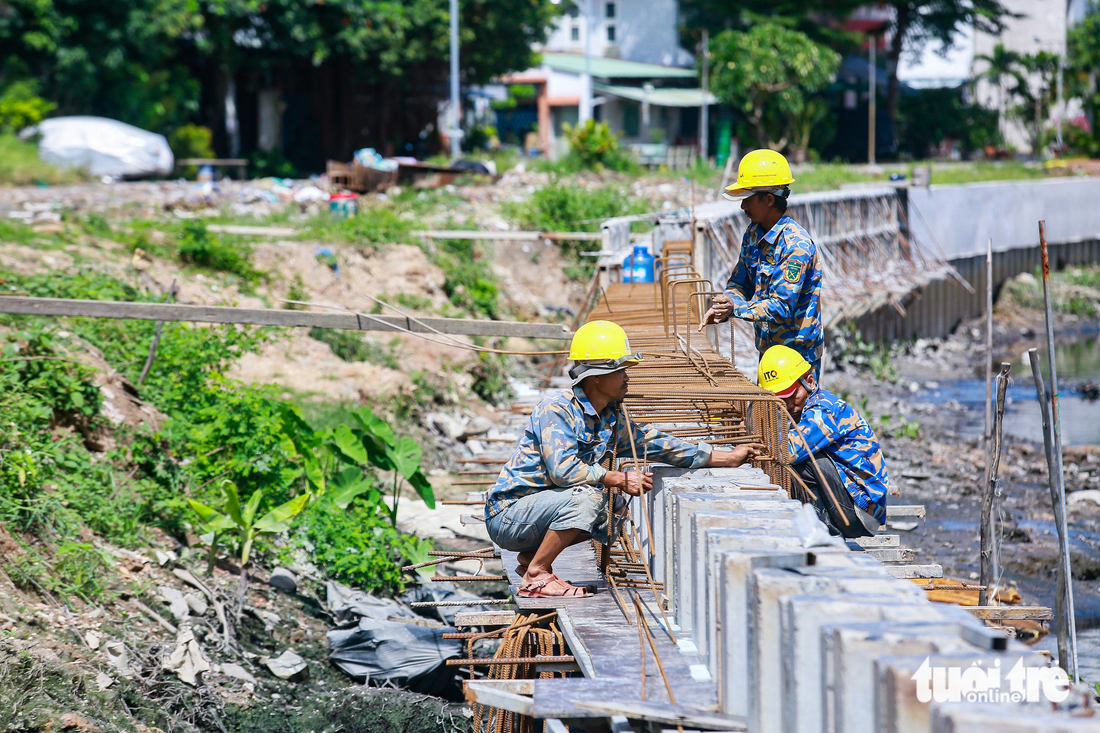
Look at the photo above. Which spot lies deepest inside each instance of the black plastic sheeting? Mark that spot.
(389, 651)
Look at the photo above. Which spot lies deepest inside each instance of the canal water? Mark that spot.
(1078, 364)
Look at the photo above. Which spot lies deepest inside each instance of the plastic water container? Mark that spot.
(638, 266)
(343, 205)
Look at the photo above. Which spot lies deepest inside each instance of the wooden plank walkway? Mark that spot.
(611, 645)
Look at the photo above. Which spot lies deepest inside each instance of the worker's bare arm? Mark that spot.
(736, 457)
(632, 482)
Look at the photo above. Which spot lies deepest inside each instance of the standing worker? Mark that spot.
(834, 451)
(777, 281)
(553, 492)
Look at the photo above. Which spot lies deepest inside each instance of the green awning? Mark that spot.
(659, 97)
(602, 68)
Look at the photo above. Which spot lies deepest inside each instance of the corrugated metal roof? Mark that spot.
(602, 68)
(659, 97)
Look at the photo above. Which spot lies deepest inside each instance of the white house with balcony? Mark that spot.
(644, 84)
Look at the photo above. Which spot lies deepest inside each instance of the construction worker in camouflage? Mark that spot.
(777, 281)
(552, 493)
(833, 449)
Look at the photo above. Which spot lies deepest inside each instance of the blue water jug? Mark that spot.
(638, 266)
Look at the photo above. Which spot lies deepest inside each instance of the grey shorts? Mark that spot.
(521, 526)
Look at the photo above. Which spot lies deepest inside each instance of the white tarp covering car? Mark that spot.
(102, 147)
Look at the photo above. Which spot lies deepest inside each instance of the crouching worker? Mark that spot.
(553, 491)
(847, 455)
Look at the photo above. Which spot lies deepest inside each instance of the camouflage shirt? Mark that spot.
(776, 285)
(829, 425)
(566, 440)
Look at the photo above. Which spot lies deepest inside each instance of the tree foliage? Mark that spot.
(916, 22)
(139, 60)
(1026, 87)
(1083, 52)
(769, 71)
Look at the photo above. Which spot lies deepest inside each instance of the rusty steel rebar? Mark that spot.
(1056, 430)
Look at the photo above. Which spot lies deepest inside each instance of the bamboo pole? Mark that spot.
(1048, 449)
(1056, 433)
(989, 537)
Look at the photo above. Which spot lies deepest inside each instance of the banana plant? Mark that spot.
(242, 522)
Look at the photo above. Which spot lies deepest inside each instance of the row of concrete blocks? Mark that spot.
(815, 639)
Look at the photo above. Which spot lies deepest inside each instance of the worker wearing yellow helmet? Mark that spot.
(552, 493)
(777, 281)
(834, 451)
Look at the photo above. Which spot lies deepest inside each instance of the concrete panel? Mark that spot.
(731, 634)
(802, 618)
(897, 709)
(846, 573)
(849, 652)
(959, 219)
(684, 592)
(662, 508)
(963, 717)
(718, 542)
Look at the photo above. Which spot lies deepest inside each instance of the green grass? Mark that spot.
(20, 166)
(830, 176)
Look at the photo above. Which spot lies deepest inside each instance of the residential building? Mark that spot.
(644, 84)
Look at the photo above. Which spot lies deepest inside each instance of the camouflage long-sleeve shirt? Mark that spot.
(776, 285)
(566, 440)
(830, 425)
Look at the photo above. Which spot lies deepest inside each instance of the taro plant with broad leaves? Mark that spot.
(370, 441)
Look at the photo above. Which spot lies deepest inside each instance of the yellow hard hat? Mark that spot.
(761, 171)
(780, 369)
(600, 347)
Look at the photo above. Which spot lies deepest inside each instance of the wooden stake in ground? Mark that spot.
(989, 539)
(1062, 624)
(156, 339)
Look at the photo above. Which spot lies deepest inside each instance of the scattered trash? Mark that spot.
(369, 158)
(187, 660)
(163, 556)
(343, 205)
(287, 666)
(177, 605)
(406, 655)
(103, 681)
(118, 657)
(92, 640)
(237, 672)
(309, 194)
(196, 603)
(484, 167)
(284, 580)
(102, 147)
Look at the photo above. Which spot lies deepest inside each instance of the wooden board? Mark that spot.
(1002, 613)
(484, 618)
(610, 654)
(20, 305)
(910, 510)
(915, 571)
